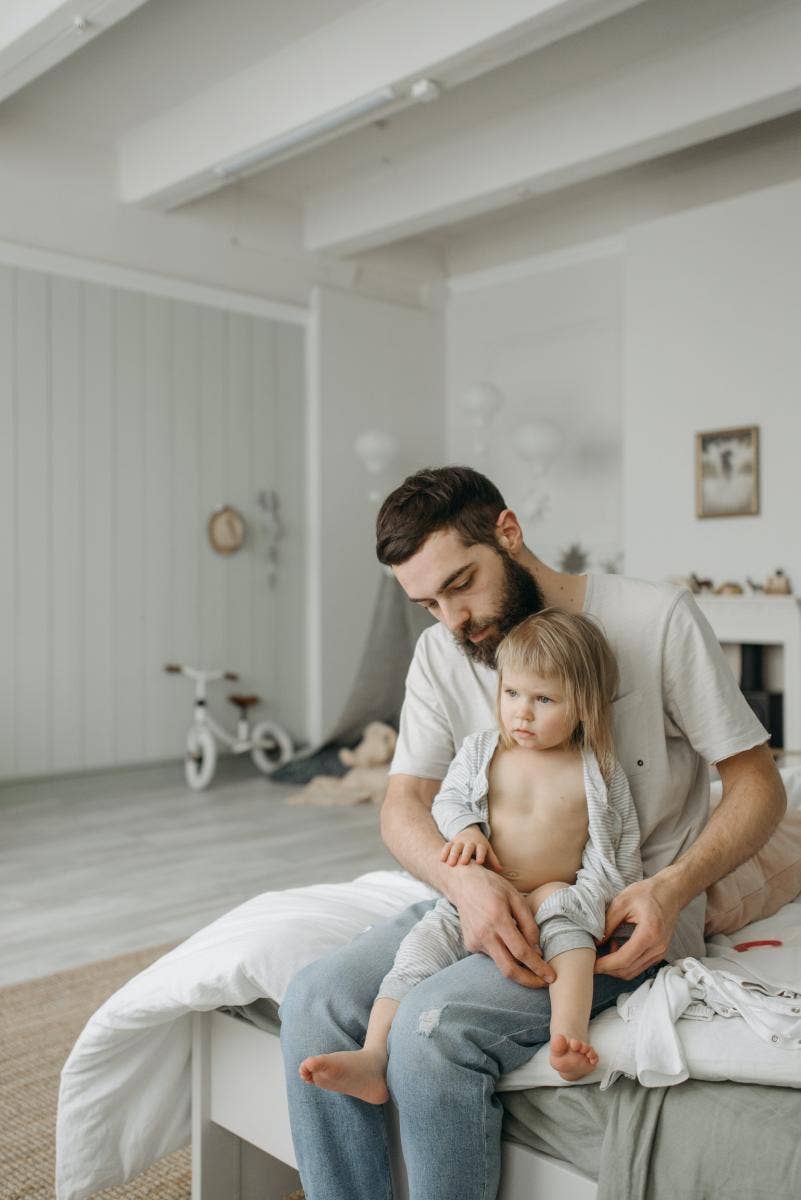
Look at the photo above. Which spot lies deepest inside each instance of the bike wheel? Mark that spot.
(272, 746)
(201, 758)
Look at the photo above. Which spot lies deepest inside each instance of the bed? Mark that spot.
(190, 1047)
(694, 1141)
(238, 1078)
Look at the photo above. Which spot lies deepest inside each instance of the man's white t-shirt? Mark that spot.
(678, 708)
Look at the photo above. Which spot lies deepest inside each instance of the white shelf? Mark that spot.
(767, 621)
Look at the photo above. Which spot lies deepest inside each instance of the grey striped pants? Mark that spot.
(436, 942)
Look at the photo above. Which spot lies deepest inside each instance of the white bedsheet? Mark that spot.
(125, 1088)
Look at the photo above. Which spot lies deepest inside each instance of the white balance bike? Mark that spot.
(269, 745)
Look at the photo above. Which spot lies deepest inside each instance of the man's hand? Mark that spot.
(652, 907)
(471, 844)
(497, 921)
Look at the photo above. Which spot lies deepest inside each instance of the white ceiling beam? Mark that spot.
(37, 34)
(716, 84)
(387, 43)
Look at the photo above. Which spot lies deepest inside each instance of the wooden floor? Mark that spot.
(96, 865)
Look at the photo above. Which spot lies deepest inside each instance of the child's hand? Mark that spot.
(470, 845)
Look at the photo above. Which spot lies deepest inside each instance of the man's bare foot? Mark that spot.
(359, 1073)
(571, 1057)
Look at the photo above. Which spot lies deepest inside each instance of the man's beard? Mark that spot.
(520, 597)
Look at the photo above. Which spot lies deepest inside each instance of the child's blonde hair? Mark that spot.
(569, 647)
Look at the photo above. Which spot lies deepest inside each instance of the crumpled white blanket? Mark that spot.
(757, 991)
(125, 1088)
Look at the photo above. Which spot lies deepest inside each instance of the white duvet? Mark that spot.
(125, 1088)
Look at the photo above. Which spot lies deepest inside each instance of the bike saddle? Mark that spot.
(244, 701)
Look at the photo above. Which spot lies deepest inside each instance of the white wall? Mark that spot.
(548, 335)
(713, 321)
(373, 365)
(708, 338)
(124, 419)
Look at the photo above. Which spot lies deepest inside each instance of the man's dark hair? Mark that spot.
(432, 499)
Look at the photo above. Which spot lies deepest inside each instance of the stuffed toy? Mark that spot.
(374, 750)
(365, 782)
(778, 584)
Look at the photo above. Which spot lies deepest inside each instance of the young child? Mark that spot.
(545, 786)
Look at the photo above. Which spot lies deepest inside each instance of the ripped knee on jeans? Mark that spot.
(428, 1021)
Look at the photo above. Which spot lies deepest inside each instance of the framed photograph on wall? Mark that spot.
(727, 472)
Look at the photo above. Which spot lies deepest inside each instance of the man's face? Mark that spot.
(478, 592)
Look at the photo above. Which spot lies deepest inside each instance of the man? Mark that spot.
(456, 549)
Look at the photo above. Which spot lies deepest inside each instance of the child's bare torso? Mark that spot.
(537, 814)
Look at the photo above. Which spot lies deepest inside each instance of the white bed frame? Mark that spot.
(241, 1144)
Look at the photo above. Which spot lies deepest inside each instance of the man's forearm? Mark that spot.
(752, 805)
(412, 837)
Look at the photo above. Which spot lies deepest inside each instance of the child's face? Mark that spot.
(534, 711)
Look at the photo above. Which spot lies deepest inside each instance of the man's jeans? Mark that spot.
(453, 1036)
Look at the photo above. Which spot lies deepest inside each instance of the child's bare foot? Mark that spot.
(359, 1073)
(571, 1057)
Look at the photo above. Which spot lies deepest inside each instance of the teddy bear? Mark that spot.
(374, 750)
(365, 782)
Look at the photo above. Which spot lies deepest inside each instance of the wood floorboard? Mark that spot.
(97, 865)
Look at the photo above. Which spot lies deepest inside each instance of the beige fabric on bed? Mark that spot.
(771, 878)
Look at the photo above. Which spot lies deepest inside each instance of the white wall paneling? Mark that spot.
(239, 578)
(95, 690)
(314, 608)
(8, 529)
(292, 645)
(159, 564)
(67, 478)
(124, 419)
(33, 566)
(127, 502)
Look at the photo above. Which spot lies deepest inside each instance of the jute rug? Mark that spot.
(39, 1022)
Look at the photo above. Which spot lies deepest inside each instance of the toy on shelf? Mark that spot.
(776, 584)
